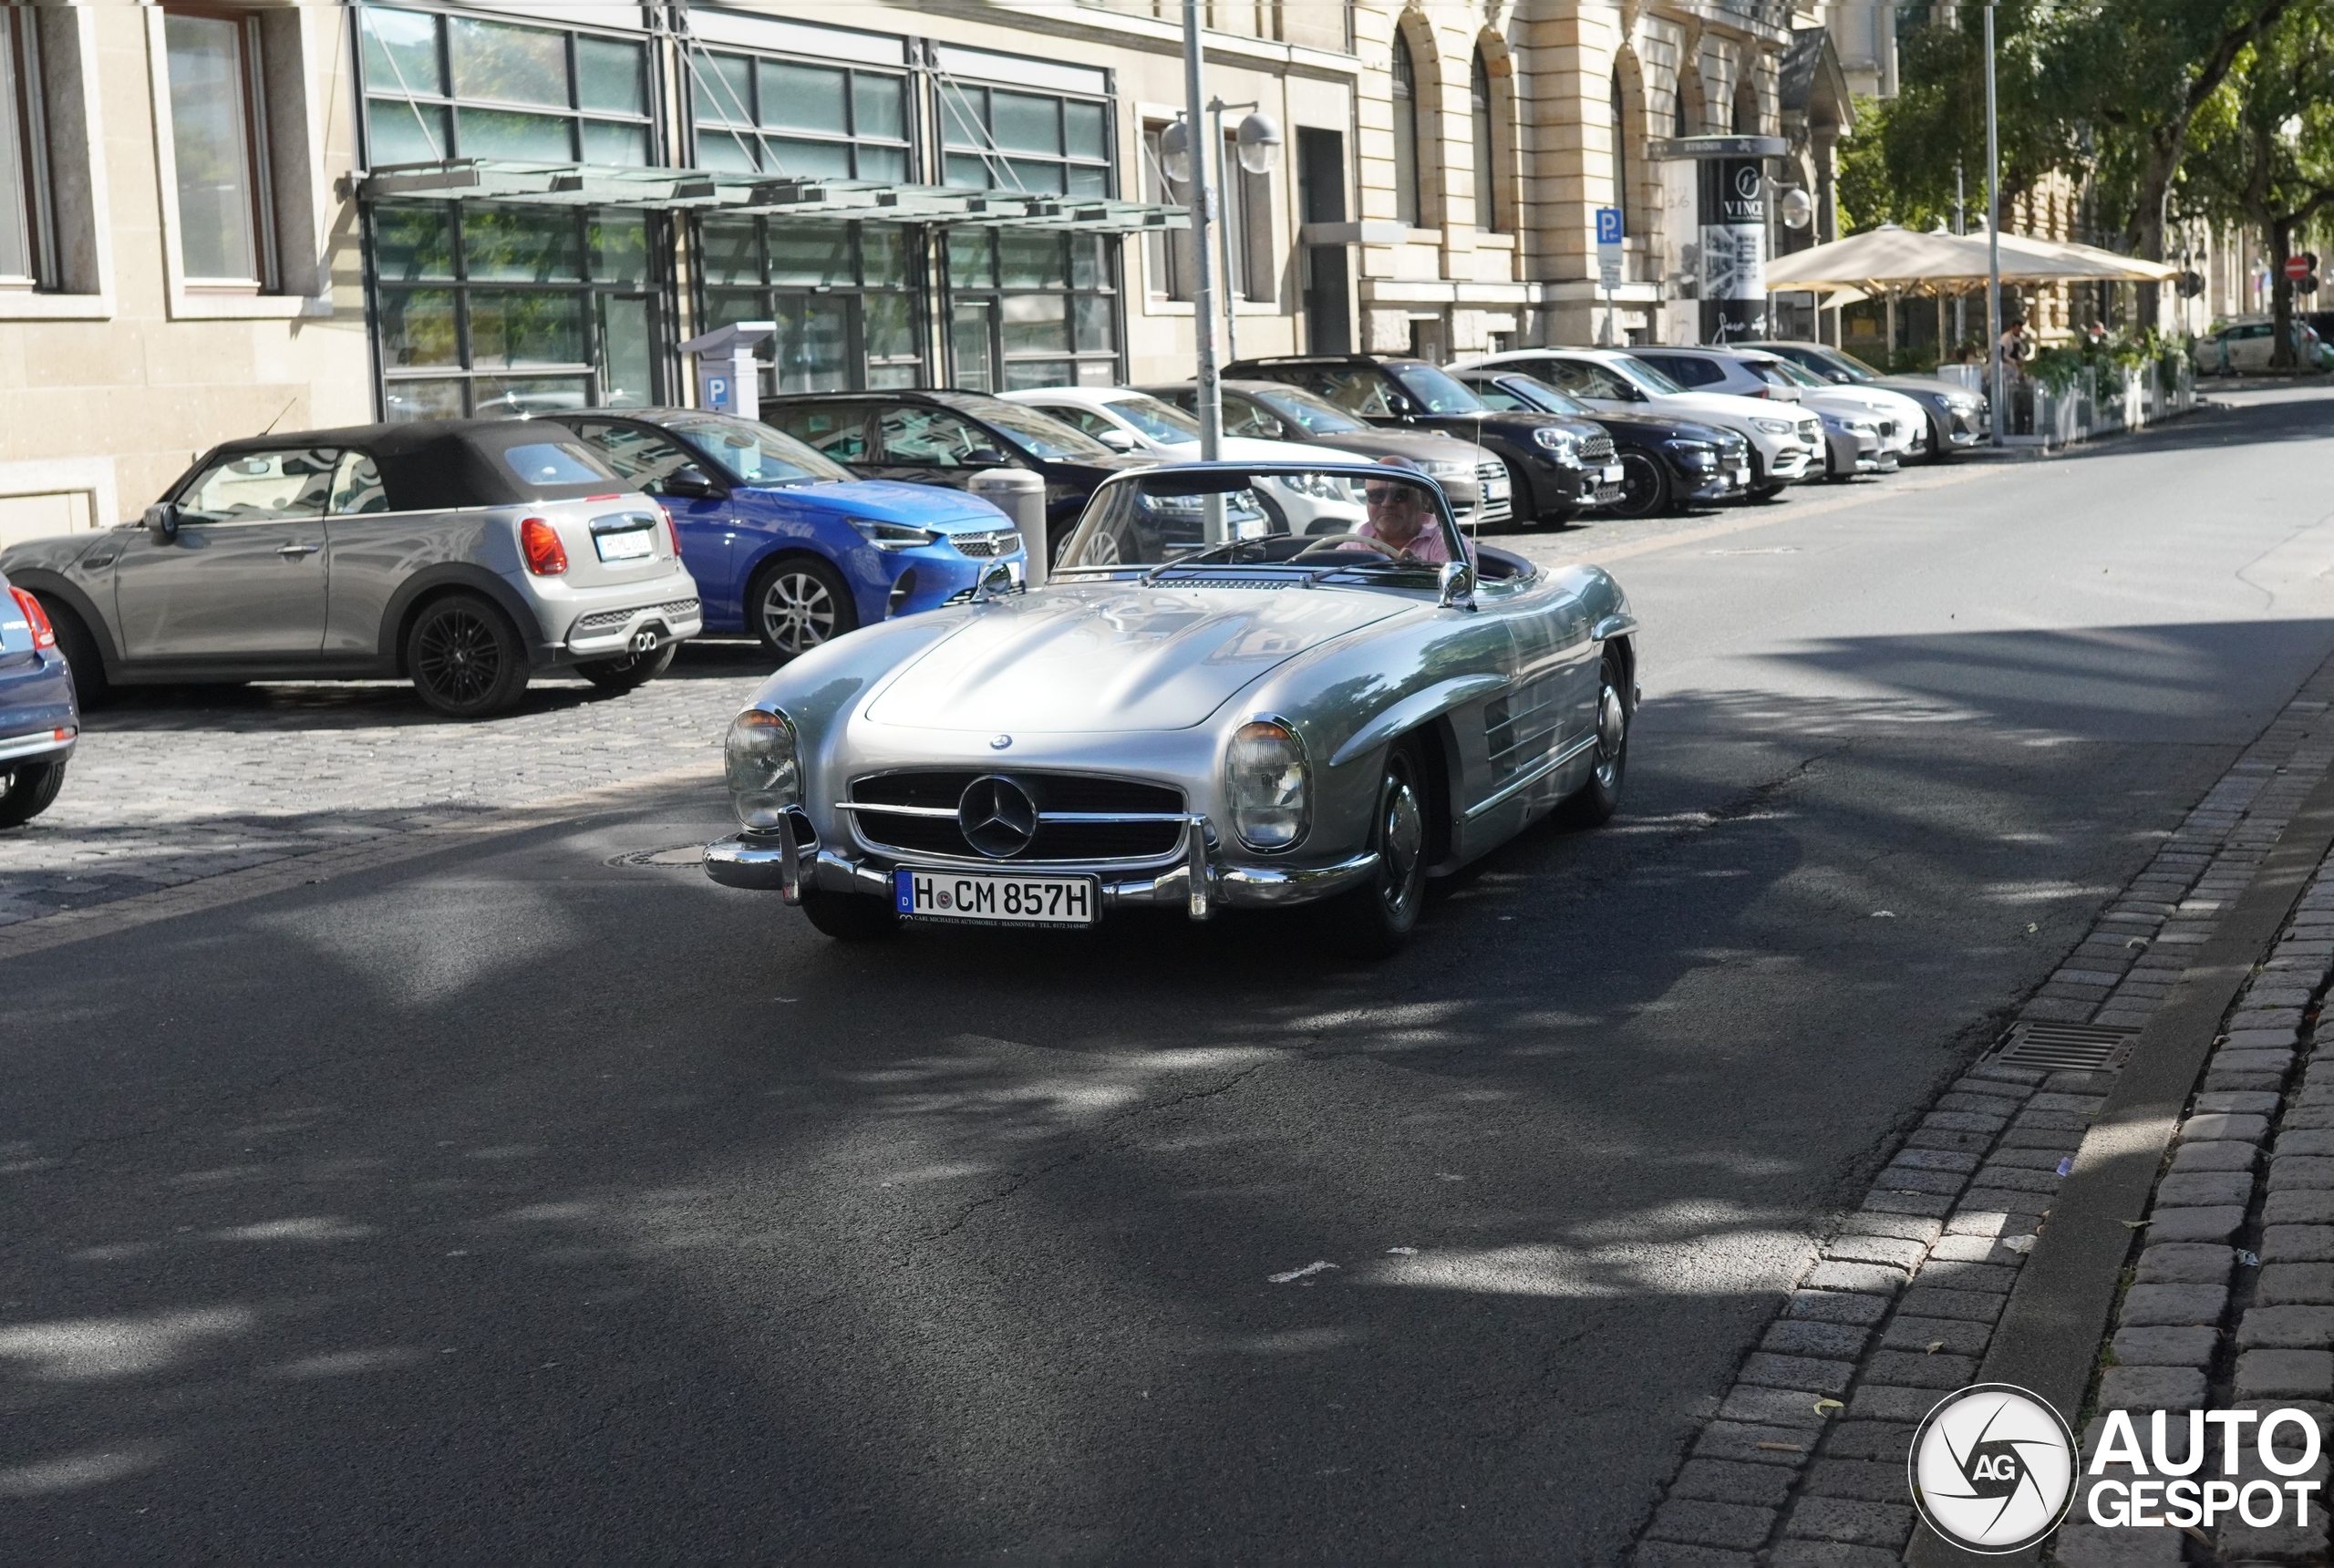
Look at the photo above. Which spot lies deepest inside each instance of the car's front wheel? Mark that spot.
(1597, 800)
(1377, 918)
(465, 657)
(1644, 487)
(29, 791)
(798, 603)
(850, 916)
(630, 672)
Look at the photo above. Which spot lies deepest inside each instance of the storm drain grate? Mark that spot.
(2066, 1047)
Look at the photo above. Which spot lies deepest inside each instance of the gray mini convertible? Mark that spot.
(463, 556)
(1202, 707)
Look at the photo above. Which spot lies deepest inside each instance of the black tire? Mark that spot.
(1645, 486)
(1595, 802)
(465, 658)
(850, 916)
(1767, 492)
(797, 604)
(630, 672)
(1377, 918)
(90, 686)
(29, 791)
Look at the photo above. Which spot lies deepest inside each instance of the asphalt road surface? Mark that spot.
(533, 1201)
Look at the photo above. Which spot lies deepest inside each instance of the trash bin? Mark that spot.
(1021, 496)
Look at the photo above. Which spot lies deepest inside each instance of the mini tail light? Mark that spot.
(43, 634)
(672, 532)
(546, 557)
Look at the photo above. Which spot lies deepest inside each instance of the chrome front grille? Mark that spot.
(1497, 505)
(983, 546)
(609, 620)
(1079, 817)
(1597, 449)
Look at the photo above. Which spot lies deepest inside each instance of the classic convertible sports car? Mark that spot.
(1202, 706)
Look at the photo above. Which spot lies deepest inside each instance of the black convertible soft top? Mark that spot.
(439, 464)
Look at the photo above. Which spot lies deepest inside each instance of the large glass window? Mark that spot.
(843, 295)
(1406, 134)
(1006, 139)
(216, 139)
(503, 311)
(440, 87)
(23, 169)
(1479, 107)
(1168, 252)
(1032, 307)
(786, 116)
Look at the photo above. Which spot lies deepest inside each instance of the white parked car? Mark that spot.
(1787, 443)
(1126, 421)
(2241, 346)
(1895, 419)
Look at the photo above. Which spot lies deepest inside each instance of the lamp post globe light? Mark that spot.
(1797, 208)
(1175, 151)
(1259, 141)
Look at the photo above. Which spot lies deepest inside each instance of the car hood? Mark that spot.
(886, 500)
(1654, 427)
(1722, 406)
(1913, 386)
(1420, 445)
(1116, 656)
(1512, 424)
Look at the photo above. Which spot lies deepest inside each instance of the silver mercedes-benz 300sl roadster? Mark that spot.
(1202, 707)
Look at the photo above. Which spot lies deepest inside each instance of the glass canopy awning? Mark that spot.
(699, 190)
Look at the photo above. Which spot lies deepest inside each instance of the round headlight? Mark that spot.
(1270, 787)
(1561, 442)
(763, 766)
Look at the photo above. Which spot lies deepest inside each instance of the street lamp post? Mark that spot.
(1210, 396)
(1258, 142)
(1994, 239)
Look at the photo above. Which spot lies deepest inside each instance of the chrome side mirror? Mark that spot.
(162, 522)
(994, 583)
(1456, 586)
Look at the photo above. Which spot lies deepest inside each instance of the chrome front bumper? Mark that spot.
(774, 862)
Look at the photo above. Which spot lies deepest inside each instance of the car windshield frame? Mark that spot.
(1428, 375)
(691, 428)
(1036, 432)
(1546, 398)
(1644, 377)
(1260, 536)
(1304, 406)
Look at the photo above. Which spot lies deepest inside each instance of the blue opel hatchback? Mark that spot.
(38, 720)
(785, 544)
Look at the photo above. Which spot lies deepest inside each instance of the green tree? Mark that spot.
(2263, 145)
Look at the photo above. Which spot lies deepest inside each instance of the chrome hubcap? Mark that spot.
(1403, 837)
(798, 611)
(1612, 733)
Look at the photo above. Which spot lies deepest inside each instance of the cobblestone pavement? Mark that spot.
(172, 784)
(1802, 1462)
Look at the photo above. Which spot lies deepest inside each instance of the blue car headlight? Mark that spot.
(894, 536)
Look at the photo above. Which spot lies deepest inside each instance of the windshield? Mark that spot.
(1645, 375)
(1317, 415)
(1848, 363)
(1159, 421)
(1433, 391)
(1038, 432)
(1531, 392)
(1790, 373)
(1390, 521)
(753, 453)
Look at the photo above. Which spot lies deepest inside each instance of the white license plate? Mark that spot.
(995, 898)
(1743, 476)
(1612, 473)
(632, 545)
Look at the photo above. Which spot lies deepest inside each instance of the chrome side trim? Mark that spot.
(1516, 786)
(34, 745)
(950, 812)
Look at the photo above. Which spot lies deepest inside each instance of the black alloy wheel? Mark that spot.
(631, 671)
(28, 791)
(798, 603)
(1645, 486)
(1595, 801)
(465, 657)
(1375, 919)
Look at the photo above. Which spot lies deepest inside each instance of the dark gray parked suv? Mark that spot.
(462, 555)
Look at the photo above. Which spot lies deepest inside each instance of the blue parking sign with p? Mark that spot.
(1608, 226)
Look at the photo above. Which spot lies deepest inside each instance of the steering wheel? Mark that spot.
(1324, 541)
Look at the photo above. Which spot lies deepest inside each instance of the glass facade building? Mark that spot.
(491, 304)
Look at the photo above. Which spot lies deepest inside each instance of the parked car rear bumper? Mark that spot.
(38, 718)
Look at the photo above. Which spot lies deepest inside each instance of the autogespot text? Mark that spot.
(2156, 1486)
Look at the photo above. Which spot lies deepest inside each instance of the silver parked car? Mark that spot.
(1202, 706)
(462, 555)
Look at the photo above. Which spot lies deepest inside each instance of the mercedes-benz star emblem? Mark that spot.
(997, 816)
(1000, 743)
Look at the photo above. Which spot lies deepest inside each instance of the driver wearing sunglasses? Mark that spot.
(1403, 517)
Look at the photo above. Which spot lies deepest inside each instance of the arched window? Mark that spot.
(1620, 153)
(1688, 101)
(1479, 90)
(1406, 134)
(1746, 108)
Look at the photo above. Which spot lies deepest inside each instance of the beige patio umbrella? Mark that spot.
(1891, 260)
